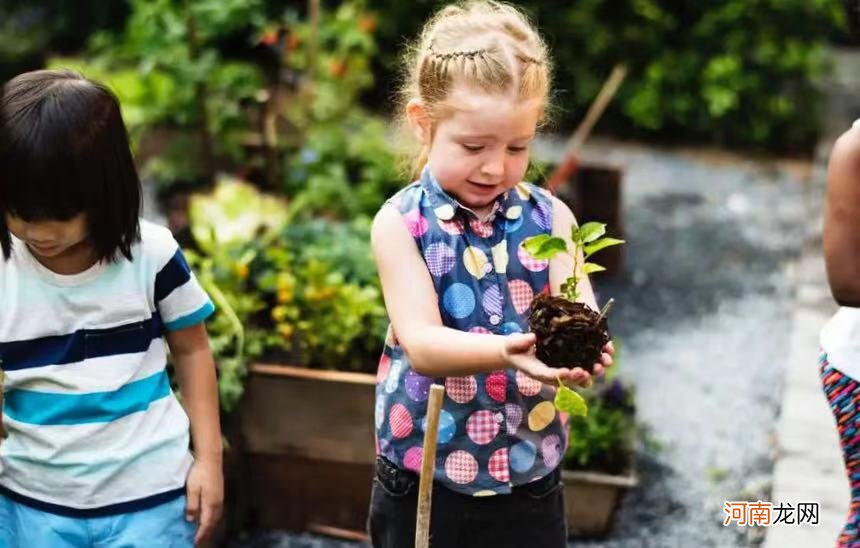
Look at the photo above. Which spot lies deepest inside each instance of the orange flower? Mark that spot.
(367, 23)
(337, 68)
(269, 38)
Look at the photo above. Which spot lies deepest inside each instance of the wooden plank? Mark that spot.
(297, 494)
(310, 414)
(277, 370)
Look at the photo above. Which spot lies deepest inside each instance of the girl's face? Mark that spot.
(481, 150)
(50, 239)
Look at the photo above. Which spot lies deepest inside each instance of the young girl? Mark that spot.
(457, 283)
(839, 361)
(96, 448)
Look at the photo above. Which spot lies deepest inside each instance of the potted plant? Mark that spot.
(599, 463)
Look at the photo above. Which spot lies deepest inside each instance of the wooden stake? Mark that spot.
(428, 467)
(574, 144)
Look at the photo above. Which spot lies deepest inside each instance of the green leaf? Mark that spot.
(601, 244)
(568, 401)
(591, 231)
(544, 246)
(591, 268)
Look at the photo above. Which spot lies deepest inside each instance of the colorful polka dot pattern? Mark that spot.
(497, 429)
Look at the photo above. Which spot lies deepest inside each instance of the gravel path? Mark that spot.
(703, 318)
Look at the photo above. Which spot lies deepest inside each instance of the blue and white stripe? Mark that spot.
(93, 424)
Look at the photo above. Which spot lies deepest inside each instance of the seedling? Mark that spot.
(570, 333)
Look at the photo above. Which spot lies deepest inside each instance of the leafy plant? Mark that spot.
(587, 240)
(604, 439)
(734, 72)
(301, 292)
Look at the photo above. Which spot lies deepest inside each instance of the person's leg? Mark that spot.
(393, 511)
(533, 515)
(161, 526)
(843, 395)
(25, 527)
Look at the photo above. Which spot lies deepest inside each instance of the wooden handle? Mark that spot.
(596, 110)
(569, 163)
(428, 467)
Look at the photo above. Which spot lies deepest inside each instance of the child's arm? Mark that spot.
(561, 267)
(842, 220)
(195, 371)
(433, 349)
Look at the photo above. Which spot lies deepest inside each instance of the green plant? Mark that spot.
(338, 162)
(569, 325)
(326, 306)
(604, 439)
(587, 240)
(303, 292)
(168, 70)
(738, 73)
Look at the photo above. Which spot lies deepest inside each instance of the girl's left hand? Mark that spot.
(205, 497)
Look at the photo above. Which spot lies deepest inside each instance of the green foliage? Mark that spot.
(304, 292)
(342, 165)
(586, 240)
(732, 72)
(568, 401)
(604, 438)
(544, 246)
(344, 169)
(29, 30)
(326, 307)
(167, 69)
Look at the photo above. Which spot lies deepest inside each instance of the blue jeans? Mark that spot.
(163, 525)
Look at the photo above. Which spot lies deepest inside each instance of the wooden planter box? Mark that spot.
(308, 444)
(591, 499)
(308, 457)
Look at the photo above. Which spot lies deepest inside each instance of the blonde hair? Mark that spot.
(483, 44)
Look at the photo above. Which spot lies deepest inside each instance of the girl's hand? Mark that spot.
(518, 352)
(606, 359)
(205, 497)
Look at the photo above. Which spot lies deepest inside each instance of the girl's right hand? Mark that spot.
(518, 351)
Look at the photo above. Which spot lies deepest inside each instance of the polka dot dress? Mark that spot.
(499, 429)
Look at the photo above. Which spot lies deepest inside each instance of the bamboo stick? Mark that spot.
(428, 467)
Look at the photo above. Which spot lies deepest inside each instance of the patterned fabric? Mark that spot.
(843, 395)
(499, 429)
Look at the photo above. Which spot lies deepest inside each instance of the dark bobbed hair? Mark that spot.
(64, 150)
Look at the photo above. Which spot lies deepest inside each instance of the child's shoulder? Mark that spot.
(848, 144)
(157, 243)
(407, 198)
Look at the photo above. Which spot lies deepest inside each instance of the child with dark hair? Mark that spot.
(96, 451)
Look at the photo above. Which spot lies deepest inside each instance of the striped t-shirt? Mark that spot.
(93, 426)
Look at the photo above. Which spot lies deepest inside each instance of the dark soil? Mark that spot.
(568, 334)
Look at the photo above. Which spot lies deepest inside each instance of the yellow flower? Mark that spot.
(285, 330)
(241, 270)
(285, 281)
(285, 295)
(279, 313)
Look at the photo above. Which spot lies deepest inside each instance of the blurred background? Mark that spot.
(266, 134)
